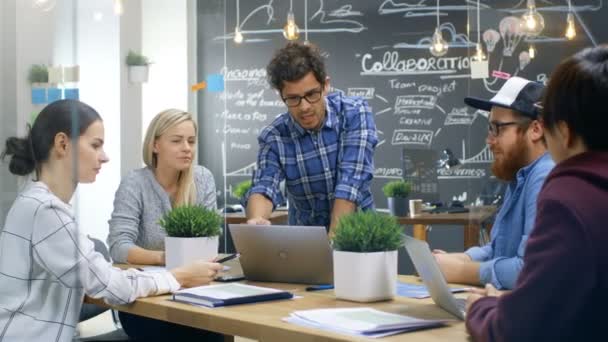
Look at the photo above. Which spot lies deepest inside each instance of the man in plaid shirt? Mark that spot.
(322, 147)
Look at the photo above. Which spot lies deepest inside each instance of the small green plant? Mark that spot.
(134, 58)
(191, 221)
(367, 231)
(38, 74)
(398, 188)
(241, 189)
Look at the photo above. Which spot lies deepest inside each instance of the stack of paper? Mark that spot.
(366, 322)
(228, 294)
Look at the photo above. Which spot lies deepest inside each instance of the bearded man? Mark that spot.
(516, 139)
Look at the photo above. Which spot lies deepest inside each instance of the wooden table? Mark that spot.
(263, 321)
(471, 221)
(277, 217)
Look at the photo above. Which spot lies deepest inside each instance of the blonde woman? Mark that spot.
(169, 179)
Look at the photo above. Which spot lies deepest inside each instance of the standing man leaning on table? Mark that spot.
(517, 141)
(323, 146)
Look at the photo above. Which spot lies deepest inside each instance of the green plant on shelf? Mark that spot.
(398, 188)
(38, 74)
(136, 59)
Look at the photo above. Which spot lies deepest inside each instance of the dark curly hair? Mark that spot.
(576, 95)
(293, 62)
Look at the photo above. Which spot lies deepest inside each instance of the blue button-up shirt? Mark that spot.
(502, 258)
(319, 166)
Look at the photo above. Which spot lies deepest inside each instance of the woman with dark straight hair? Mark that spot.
(46, 264)
(561, 293)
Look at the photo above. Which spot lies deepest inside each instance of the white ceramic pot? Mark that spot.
(365, 277)
(138, 73)
(180, 251)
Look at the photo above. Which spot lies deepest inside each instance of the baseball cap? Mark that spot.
(518, 94)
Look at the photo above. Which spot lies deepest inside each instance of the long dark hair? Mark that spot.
(576, 95)
(64, 116)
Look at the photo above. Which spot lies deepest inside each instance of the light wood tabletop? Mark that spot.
(263, 321)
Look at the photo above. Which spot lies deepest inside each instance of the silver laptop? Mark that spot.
(431, 275)
(285, 254)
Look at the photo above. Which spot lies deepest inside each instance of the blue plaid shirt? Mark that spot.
(318, 166)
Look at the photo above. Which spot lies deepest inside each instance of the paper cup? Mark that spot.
(415, 207)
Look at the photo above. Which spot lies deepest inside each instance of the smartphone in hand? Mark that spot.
(227, 258)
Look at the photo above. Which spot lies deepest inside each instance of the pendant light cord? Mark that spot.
(437, 13)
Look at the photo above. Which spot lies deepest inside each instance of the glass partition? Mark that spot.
(376, 50)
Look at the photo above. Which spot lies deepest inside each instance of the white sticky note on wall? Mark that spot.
(71, 73)
(55, 74)
(479, 69)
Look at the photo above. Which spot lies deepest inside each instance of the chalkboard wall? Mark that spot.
(379, 50)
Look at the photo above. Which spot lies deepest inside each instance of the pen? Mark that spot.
(227, 258)
(320, 287)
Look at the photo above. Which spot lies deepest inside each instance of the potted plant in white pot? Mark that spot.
(397, 192)
(138, 67)
(365, 256)
(192, 233)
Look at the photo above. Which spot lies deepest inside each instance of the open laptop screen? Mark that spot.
(431, 275)
(290, 254)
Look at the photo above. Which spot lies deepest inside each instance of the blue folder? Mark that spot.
(184, 296)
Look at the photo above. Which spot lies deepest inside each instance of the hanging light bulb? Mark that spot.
(532, 22)
(238, 36)
(570, 27)
(119, 8)
(532, 51)
(479, 55)
(438, 45)
(291, 30)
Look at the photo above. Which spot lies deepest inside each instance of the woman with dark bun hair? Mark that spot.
(46, 264)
